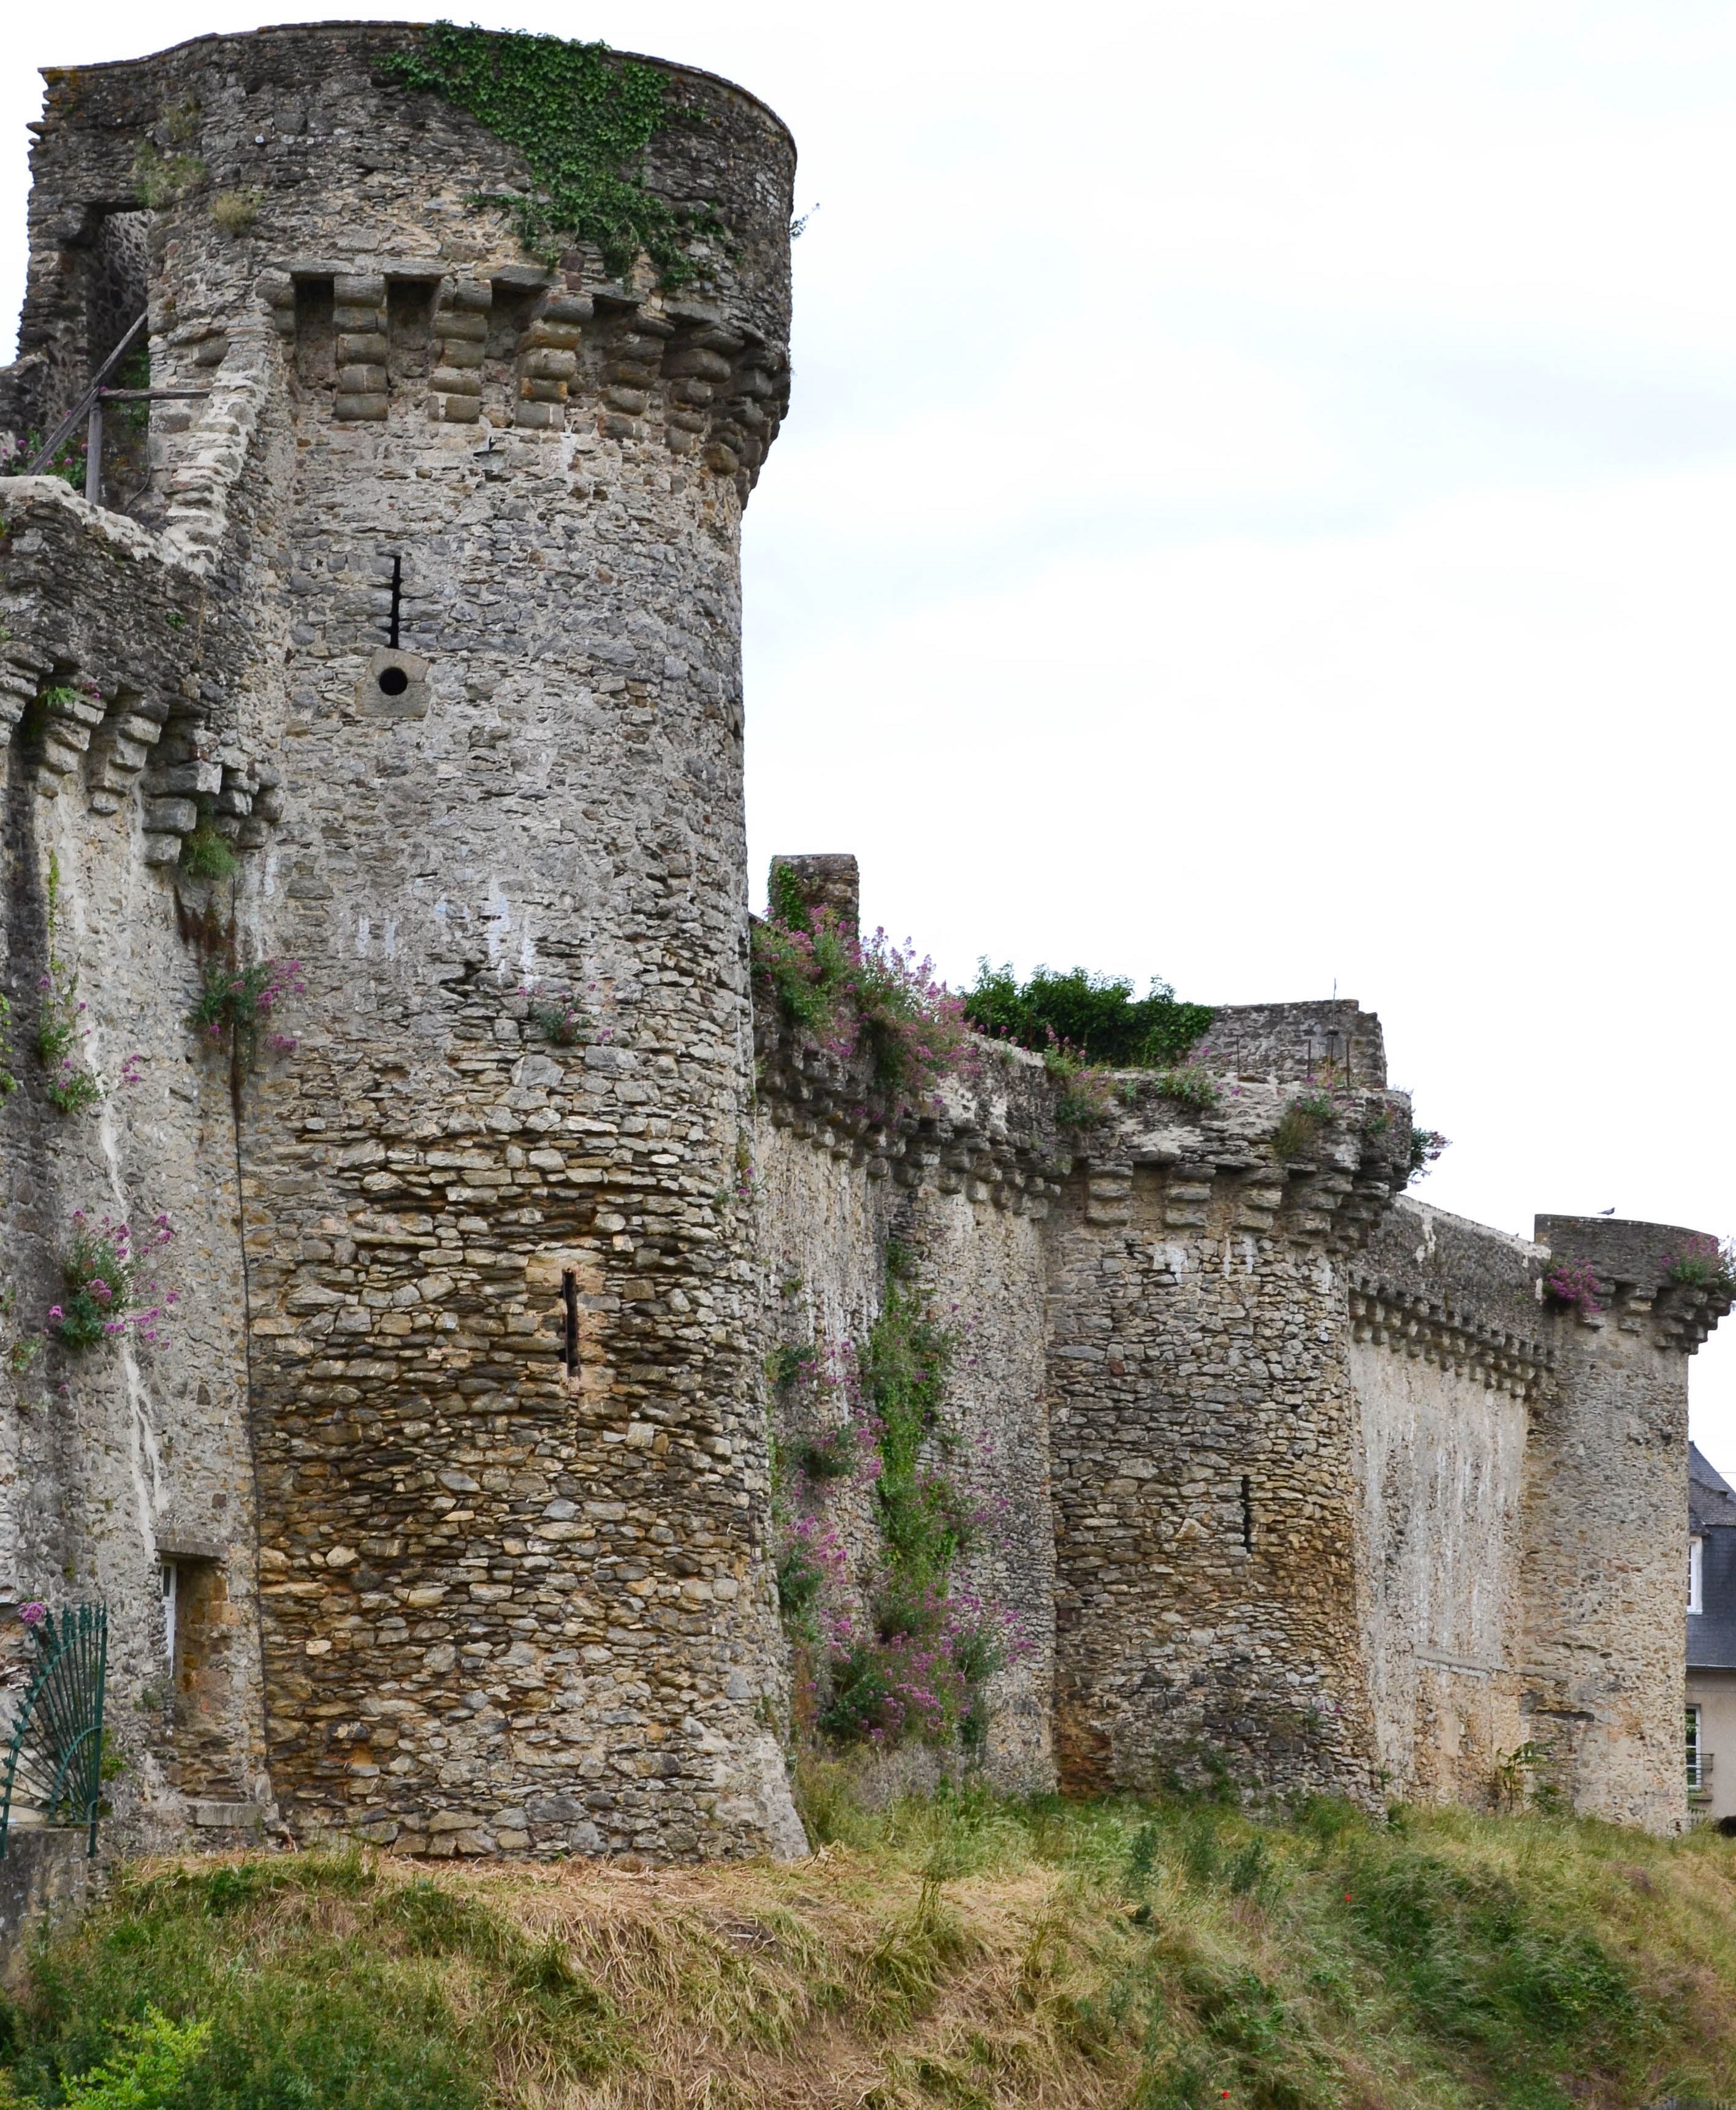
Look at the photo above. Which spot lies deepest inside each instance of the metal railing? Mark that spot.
(54, 1758)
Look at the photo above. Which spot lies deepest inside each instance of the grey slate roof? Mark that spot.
(1711, 1500)
(1711, 1512)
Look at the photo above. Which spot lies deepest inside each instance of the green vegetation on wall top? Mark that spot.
(1097, 1017)
(582, 118)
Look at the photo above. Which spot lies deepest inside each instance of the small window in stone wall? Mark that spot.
(1699, 1762)
(1696, 1574)
(197, 1621)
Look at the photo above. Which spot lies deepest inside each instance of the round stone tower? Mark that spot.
(419, 597)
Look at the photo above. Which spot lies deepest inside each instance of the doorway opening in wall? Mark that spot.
(117, 291)
(198, 1625)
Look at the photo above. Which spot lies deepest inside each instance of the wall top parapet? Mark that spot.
(397, 35)
(1296, 1042)
(1646, 1270)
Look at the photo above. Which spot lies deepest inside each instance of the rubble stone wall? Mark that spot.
(487, 1284)
(827, 1221)
(1607, 1496)
(1452, 1351)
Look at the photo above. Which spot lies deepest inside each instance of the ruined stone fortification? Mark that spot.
(455, 1446)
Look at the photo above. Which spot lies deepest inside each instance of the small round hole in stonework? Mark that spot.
(393, 680)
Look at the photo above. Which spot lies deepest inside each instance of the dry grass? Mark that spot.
(959, 1952)
(838, 1982)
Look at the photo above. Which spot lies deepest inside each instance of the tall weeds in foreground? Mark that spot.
(960, 1950)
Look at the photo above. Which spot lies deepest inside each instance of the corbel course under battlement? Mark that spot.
(995, 1136)
(1442, 1334)
(89, 596)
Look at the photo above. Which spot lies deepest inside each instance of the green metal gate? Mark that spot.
(54, 1757)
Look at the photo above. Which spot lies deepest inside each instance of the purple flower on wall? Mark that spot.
(1571, 1285)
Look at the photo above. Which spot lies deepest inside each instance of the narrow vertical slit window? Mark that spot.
(169, 1581)
(570, 1299)
(1248, 1512)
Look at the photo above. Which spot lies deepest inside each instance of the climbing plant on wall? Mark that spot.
(60, 1021)
(582, 117)
(912, 1661)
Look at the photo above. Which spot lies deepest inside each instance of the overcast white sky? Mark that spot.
(1256, 509)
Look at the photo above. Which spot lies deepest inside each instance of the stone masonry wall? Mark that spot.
(1524, 1497)
(827, 1215)
(491, 1287)
(1452, 1353)
(1605, 1528)
(1203, 1443)
(120, 1455)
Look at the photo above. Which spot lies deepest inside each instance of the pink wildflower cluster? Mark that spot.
(60, 1034)
(1087, 1094)
(811, 1560)
(557, 1018)
(875, 1000)
(237, 1005)
(33, 1613)
(916, 1671)
(103, 1267)
(1703, 1263)
(1572, 1284)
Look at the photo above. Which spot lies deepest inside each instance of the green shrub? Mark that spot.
(235, 211)
(1096, 1017)
(71, 1087)
(1296, 1134)
(833, 1456)
(1087, 1094)
(1426, 1145)
(1703, 1263)
(237, 1005)
(872, 999)
(149, 2070)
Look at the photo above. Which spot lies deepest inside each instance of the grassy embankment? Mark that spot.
(964, 1952)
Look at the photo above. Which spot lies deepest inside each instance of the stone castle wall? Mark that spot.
(422, 591)
(483, 1306)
